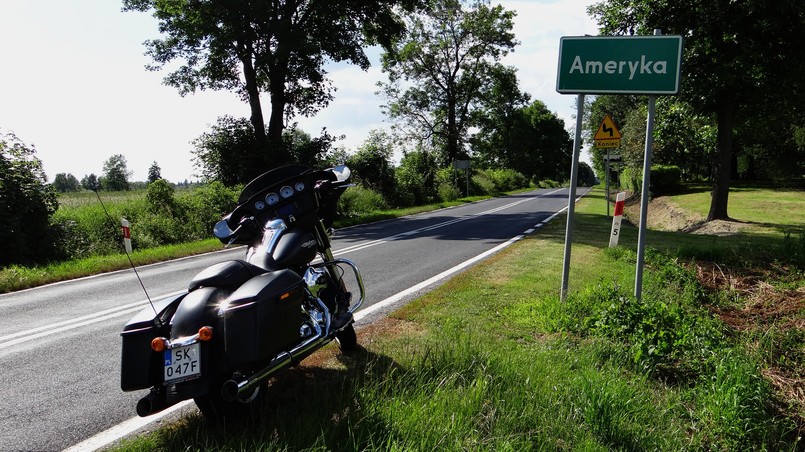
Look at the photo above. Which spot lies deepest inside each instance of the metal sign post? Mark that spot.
(571, 200)
(645, 65)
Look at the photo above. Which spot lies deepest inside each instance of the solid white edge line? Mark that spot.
(119, 431)
(123, 429)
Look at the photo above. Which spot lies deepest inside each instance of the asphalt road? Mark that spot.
(60, 344)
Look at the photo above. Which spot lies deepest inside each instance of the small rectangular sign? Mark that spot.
(619, 64)
(607, 144)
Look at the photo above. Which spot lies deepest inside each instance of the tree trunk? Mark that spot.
(276, 122)
(723, 162)
(257, 160)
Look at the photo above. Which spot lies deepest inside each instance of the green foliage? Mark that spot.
(64, 183)
(497, 181)
(115, 174)
(27, 203)
(306, 150)
(90, 182)
(586, 175)
(227, 152)
(372, 165)
(154, 172)
(416, 179)
(360, 200)
(531, 140)
(438, 72)
(665, 179)
(158, 217)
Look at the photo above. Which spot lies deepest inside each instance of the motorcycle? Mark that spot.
(242, 321)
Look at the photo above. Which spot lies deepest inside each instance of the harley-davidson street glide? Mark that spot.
(243, 320)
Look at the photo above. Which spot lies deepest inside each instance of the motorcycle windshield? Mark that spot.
(269, 178)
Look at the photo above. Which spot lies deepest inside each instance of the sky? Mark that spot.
(73, 84)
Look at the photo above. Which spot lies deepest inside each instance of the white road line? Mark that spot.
(119, 431)
(67, 325)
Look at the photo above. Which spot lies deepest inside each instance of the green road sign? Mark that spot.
(619, 64)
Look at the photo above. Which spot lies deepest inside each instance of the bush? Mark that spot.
(27, 203)
(360, 200)
(665, 179)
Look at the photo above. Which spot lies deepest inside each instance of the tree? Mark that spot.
(115, 174)
(736, 54)
(65, 182)
(279, 46)
(372, 164)
(449, 56)
(224, 153)
(154, 172)
(27, 203)
(531, 140)
(91, 182)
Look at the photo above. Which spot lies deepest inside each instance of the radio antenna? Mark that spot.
(128, 256)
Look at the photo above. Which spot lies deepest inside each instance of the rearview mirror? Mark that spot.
(341, 172)
(222, 230)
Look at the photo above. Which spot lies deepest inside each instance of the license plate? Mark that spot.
(182, 363)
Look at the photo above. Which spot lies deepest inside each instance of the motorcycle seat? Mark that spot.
(229, 274)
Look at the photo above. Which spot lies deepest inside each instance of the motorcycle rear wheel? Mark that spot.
(221, 411)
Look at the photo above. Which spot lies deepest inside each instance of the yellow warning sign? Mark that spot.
(607, 130)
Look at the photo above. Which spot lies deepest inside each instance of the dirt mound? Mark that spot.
(665, 215)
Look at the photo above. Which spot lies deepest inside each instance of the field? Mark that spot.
(712, 358)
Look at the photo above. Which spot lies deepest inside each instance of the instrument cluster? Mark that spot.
(273, 198)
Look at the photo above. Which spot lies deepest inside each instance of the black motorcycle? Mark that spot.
(241, 321)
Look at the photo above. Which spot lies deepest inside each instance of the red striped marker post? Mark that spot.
(616, 220)
(126, 234)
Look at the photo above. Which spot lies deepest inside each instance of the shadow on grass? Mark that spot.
(306, 407)
(743, 248)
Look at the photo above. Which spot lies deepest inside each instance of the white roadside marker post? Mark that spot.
(616, 220)
(126, 226)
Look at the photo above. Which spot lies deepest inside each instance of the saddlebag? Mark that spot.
(263, 317)
(141, 367)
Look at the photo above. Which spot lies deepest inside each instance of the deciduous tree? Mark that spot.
(736, 54)
(278, 46)
(115, 174)
(437, 72)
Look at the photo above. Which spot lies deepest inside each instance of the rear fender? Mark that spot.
(198, 308)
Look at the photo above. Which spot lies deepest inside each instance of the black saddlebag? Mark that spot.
(263, 317)
(142, 367)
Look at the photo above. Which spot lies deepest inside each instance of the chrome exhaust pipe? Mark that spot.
(232, 389)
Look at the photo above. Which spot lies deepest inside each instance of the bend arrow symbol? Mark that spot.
(608, 130)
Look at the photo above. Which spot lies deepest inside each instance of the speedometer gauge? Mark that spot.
(286, 192)
(299, 186)
(272, 199)
(259, 205)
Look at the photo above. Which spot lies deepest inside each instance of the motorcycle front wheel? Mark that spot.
(347, 339)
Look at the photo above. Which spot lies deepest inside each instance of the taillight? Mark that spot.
(205, 333)
(159, 344)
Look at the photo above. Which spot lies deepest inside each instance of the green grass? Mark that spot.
(15, 277)
(493, 360)
(767, 210)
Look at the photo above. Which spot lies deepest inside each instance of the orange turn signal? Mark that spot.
(205, 333)
(159, 344)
